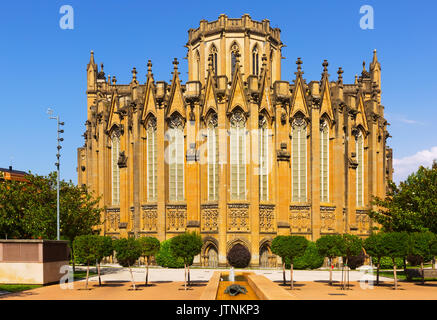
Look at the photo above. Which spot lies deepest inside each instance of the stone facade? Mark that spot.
(235, 153)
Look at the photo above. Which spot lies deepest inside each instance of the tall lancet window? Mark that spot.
(238, 156)
(324, 162)
(264, 153)
(360, 169)
(213, 159)
(115, 151)
(176, 155)
(255, 61)
(213, 53)
(299, 160)
(234, 53)
(196, 71)
(152, 161)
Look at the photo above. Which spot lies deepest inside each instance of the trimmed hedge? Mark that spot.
(165, 259)
(239, 256)
(386, 263)
(310, 260)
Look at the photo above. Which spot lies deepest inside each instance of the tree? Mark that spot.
(375, 248)
(105, 248)
(411, 206)
(86, 251)
(353, 246)
(421, 245)
(149, 248)
(186, 246)
(396, 246)
(128, 251)
(277, 248)
(330, 246)
(165, 258)
(28, 209)
(311, 258)
(293, 247)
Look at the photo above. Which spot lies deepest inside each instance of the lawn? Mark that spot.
(18, 287)
(81, 274)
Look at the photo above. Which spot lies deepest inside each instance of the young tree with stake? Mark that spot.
(128, 252)
(149, 248)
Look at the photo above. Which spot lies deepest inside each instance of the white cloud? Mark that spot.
(405, 166)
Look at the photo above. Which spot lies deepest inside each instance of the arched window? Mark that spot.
(299, 160)
(196, 71)
(213, 53)
(115, 151)
(152, 159)
(324, 162)
(234, 53)
(255, 61)
(263, 160)
(238, 156)
(176, 155)
(213, 159)
(360, 169)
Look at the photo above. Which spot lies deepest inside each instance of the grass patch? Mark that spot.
(81, 274)
(401, 276)
(18, 287)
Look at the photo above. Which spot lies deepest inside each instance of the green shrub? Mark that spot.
(165, 259)
(310, 260)
(387, 263)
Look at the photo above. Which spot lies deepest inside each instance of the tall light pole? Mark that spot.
(58, 156)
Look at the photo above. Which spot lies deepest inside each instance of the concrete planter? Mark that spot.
(32, 261)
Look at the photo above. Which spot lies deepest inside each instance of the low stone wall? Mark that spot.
(32, 261)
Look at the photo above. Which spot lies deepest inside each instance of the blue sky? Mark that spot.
(44, 66)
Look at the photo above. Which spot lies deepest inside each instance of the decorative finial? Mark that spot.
(299, 63)
(210, 66)
(149, 66)
(364, 66)
(325, 65)
(134, 74)
(101, 66)
(175, 64)
(237, 57)
(356, 79)
(264, 60)
(114, 80)
(340, 75)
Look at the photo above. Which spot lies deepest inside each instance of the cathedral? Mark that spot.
(236, 153)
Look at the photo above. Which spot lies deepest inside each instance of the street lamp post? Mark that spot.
(58, 156)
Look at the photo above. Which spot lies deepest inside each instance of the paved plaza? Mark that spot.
(113, 273)
(167, 284)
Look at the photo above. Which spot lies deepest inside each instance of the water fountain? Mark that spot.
(232, 275)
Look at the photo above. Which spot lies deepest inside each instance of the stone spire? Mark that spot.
(92, 63)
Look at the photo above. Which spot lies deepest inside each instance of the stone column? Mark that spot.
(314, 178)
(223, 181)
(161, 172)
(282, 149)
